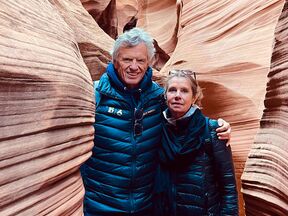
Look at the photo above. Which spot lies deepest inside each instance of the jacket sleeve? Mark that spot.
(225, 173)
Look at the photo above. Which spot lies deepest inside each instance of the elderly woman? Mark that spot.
(197, 174)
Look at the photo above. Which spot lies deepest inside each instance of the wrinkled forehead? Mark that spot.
(137, 51)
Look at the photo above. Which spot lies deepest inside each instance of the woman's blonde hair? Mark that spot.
(191, 77)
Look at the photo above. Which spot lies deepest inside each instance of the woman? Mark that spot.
(197, 174)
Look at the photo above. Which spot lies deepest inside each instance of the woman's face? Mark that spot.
(179, 96)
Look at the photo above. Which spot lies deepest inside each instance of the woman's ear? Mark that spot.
(194, 99)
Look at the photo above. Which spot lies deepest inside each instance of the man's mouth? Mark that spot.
(132, 74)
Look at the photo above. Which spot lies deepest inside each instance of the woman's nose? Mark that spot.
(178, 94)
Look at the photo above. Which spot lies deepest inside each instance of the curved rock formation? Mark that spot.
(49, 47)
(93, 43)
(104, 13)
(47, 111)
(265, 176)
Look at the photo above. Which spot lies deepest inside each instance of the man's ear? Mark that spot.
(116, 64)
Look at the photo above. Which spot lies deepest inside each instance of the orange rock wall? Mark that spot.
(51, 50)
(229, 44)
(265, 177)
(47, 110)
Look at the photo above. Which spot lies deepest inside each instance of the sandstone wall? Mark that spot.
(47, 111)
(229, 44)
(265, 177)
(51, 50)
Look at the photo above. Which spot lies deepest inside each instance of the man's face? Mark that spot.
(131, 64)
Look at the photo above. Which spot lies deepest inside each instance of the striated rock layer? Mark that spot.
(93, 43)
(51, 50)
(228, 44)
(47, 111)
(265, 176)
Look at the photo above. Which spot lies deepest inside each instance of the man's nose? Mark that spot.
(134, 65)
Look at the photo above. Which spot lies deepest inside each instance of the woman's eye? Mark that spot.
(184, 90)
(172, 90)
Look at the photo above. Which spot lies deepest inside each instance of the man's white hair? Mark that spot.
(132, 38)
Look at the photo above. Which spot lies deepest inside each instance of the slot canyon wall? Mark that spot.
(51, 50)
(264, 181)
(47, 107)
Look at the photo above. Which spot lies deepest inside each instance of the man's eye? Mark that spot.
(127, 60)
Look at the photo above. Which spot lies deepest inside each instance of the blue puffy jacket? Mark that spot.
(119, 176)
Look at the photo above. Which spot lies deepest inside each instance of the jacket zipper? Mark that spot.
(133, 168)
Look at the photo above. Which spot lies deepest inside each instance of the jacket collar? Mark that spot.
(173, 121)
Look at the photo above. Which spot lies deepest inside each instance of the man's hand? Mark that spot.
(224, 131)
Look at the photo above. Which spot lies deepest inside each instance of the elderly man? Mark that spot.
(119, 176)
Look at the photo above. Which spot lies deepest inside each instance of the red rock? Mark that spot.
(52, 50)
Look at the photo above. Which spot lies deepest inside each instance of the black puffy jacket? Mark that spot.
(201, 178)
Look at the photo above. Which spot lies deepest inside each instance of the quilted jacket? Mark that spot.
(199, 168)
(119, 176)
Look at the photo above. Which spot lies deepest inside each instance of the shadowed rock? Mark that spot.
(131, 24)
(104, 13)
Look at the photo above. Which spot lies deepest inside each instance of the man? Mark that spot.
(119, 176)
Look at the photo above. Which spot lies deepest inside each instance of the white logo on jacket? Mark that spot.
(113, 110)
